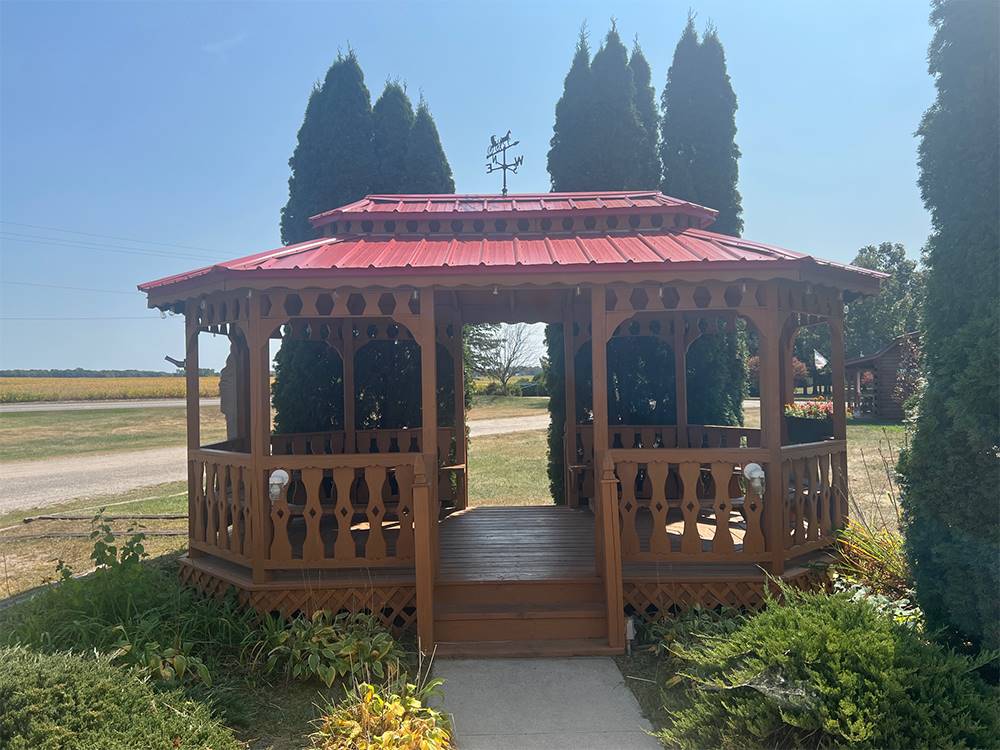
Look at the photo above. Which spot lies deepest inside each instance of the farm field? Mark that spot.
(16, 390)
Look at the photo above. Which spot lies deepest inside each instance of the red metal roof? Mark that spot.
(524, 204)
(439, 252)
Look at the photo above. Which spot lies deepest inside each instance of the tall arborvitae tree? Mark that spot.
(333, 162)
(648, 175)
(951, 471)
(698, 134)
(617, 129)
(699, 155)
(392, 122)
(681, 116)
(427, 169)
(573, 133)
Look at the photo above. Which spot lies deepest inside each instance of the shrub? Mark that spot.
(136, 613)
(384, 718)
(818, 670)
(56, 701)
(327, 647)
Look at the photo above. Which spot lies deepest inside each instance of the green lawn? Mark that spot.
(509, 469)
(499, 407)
(45, 434)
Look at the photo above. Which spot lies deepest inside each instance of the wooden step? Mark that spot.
(578, 590)
(557, 648)
(508, 622)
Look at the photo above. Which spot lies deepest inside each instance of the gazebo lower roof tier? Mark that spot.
(436, 240)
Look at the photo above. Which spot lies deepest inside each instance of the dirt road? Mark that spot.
(36, 484)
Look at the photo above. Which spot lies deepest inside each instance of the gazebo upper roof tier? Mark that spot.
(430, 237)
(522, 206)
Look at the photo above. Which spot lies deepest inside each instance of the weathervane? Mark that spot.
(496, 157)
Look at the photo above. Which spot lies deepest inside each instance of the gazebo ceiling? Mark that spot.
(528, 235)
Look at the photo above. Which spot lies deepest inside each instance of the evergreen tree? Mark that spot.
(951, 471)
(392, 122)
(717, 159)
(333, 163)
(573, 133)
(699, 155)
(681, 116)
(618, 132)
(426, 169)
(648, 155)
(698, 137)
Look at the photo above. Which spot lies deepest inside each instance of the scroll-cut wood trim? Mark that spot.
(690, 473)
(722, 542)
(627, 507)
(375, 479)
(312, 547)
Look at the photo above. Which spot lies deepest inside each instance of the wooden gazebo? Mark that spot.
(655, 518)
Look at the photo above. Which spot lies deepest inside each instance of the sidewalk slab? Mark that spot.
(523, 704)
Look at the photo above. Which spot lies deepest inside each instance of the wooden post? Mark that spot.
(836, 323)
(427, 338)
(192, 386)
(606, 486)
(461, 440)
(423, 540)
(771, 419)
(347, 353)
(258, 342)
(571, 498)
(680, 378)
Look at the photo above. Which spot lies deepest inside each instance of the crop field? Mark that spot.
(98, 389)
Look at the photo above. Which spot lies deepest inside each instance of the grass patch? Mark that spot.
(40, 435)
(99, 389)
(25, 564)
(509, 469)
(500, 407)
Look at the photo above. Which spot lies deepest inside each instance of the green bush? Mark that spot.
(137, 613)
(818, 671)
(64, 702)
(327, 647)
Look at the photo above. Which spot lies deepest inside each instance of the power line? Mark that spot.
(58, 242)
(96, 317)
(109, 236)
(71, 288)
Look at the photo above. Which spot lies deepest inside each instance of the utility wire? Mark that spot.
(57, 242)
(109, 236)
(97, 317)
(71, 288)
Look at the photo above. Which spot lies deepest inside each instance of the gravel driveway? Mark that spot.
(37, 484)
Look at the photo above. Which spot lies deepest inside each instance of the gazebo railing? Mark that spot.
(816, 502)
(220, 504)
(341, 511)
(689, 505)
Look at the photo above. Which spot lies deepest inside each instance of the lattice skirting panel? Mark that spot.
(395, 606)
(650, 601)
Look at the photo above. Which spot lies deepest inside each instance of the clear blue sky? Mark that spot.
(173, 123)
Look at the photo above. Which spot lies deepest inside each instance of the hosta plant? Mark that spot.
(327, 647)
(384, 718)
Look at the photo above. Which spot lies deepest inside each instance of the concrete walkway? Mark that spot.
(550, 704)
